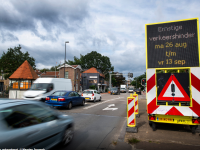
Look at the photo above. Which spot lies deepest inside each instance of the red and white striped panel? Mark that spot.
(195, 82)
(152, 108)
(136, 104)
(131, 112)
(151, 91)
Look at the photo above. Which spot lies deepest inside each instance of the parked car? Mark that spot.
(33, 124)
(138, 91)
(115, 90)
(65, 99)
(91, 95)
(130, 90)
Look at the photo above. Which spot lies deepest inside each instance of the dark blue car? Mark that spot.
(65, 99)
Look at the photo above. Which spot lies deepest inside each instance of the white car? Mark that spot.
(130, 90)
(91, 95)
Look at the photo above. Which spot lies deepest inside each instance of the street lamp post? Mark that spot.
(65, 58)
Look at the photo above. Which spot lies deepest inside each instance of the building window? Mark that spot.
(20, 84)
(92, 81)
(66, 74)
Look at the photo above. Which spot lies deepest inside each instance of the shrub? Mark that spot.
(93, 87)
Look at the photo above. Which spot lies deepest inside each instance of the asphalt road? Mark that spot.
(102, 126)
(99, 125)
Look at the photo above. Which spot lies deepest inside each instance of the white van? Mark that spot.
(43, 87)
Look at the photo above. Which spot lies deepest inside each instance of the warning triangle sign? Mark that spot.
(179, 93)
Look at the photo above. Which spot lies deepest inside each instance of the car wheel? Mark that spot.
(67, 136)
(100, 98)
(83, 103)
(94, 99)
(69, 105)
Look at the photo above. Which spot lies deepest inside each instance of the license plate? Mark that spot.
(86, 98)
(166, 119)
(54, 99)
(183, 121)
(113, 93)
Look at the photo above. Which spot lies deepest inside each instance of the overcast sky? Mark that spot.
(114, 28)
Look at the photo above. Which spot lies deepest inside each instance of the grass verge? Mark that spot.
(133, 141)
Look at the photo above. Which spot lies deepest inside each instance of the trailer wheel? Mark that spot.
(154, 126)
(193, 128)
(150, 123)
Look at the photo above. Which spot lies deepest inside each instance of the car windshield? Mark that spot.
(39, 86)
(59, 93)
(130, 88)
(122, 88)
(114, 88)
(88, 92)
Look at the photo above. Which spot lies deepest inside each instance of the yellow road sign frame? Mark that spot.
(171, 22)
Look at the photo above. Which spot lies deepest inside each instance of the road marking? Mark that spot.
(108, 108)
(100, 103)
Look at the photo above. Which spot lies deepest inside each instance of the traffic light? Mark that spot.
(143, 82)
(130, 75)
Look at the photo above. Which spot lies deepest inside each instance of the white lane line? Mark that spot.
(100, 103)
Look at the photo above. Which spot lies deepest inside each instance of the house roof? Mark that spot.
(38, 72)
(25, 71)
(93, 70)
(72, 66)
(50, 73)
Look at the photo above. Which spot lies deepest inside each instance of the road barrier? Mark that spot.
(131, 116)
(136, 105)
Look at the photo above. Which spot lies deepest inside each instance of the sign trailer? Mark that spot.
(173, 72)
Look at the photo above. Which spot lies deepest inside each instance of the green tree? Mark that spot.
(113, 81)
(93, 59)
(13, 58)
(54, 67)
(45, 69)
(137, 81)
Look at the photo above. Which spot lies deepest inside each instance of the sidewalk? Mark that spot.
(166, 137)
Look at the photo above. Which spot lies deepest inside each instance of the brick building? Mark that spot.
(94, 77)
(71, 72)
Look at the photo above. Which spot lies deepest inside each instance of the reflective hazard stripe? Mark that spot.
(131, 111)
(153, 108)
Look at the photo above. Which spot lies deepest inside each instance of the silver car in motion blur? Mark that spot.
(32, 124)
